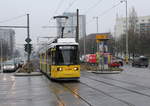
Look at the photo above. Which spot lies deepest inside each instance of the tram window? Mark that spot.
(53, 58)
(42, 58)
(67, 55)
(49, 57)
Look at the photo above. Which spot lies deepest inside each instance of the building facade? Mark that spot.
(142, 25)
(70, 25)
(7, 39)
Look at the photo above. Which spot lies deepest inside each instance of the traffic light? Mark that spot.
(28, 48)
(25, 47)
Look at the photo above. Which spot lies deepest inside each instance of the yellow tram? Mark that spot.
(61, 60)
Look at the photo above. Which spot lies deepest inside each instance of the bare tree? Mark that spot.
(132, 33)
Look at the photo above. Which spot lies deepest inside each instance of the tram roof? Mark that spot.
(56, 44)
(60, 41)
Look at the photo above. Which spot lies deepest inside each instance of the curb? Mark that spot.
(106, 72)
(28, 74)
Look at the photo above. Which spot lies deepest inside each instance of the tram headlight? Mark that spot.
(59, 69)
(76, 68)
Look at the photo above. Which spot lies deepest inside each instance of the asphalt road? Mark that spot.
(129, 88)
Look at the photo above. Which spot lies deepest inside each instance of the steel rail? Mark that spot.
(127, 89)
(107, 94)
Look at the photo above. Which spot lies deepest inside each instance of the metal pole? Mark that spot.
(127, 52)
(77, 28)
(1, 55)
(96, 23)
(62, 32)
(28, 36)
(84, 41)
(97, 30)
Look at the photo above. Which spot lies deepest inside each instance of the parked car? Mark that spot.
(114, 64)
(9, 66)
(140, 61)
(120, 61)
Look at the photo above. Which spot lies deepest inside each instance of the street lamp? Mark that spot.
(127, 52)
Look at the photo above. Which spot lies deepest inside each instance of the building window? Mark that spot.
(143, 24)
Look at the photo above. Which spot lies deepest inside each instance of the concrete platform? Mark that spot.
(25, 91)
(28, 74)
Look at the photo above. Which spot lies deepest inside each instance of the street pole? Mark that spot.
(127, 52)
(96, 22)
(77, 28)
(84, 43)
(1, 55)
(28, 36)
(97, 26)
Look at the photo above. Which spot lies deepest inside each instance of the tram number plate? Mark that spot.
(69, 69)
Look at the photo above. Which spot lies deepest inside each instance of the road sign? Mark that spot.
(28, 40)
(101, 37)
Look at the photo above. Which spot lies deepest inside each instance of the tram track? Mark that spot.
(105, 93)
(126, 82)
(110, 84)
(73, 93)
(56, 85)
(83, 99)
(64, 85)
(123, 82)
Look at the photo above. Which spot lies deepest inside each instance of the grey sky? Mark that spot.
(42, 10)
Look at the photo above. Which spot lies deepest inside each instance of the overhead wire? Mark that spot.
(14, 18)
(93, 6)
(70, 5)
(56, 10)
(106, 11)
(58, 6)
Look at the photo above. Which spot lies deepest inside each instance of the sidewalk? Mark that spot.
(25, 91)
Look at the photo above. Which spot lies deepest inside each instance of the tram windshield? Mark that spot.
(67, 55)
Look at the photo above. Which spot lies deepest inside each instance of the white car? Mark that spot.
(9, 67)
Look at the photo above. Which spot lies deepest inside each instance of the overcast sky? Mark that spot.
(41, 12)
